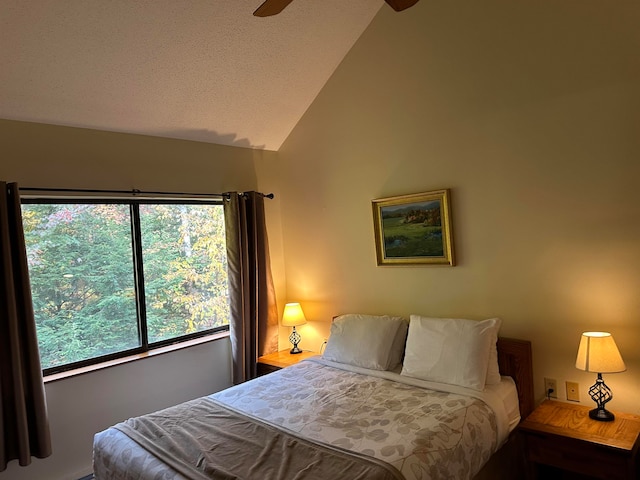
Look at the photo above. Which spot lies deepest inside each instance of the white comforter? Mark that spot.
(424, 430)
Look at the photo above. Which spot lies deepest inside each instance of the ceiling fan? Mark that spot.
(273, 7)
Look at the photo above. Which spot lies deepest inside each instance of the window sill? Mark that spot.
(133, 358)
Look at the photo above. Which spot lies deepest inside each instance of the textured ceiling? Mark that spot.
(204, 70)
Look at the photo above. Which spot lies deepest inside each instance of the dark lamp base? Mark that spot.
(601, 414)
(294, 338)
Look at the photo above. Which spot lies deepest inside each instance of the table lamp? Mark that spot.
(292, 317)
(598, 353)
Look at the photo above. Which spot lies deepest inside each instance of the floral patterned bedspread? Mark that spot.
(425, 434)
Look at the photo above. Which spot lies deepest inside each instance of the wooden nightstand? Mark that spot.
(275, 361)
(563, 436)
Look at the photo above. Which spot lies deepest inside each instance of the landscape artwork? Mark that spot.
(413, 229)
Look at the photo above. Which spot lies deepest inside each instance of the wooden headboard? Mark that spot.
(515, 361)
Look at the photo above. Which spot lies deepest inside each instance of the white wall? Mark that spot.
(51, 156)
(529, 113)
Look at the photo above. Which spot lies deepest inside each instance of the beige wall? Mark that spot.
(530, 114)
(37, 155)
(50, 156)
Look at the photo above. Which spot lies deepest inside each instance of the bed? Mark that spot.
(382, 402)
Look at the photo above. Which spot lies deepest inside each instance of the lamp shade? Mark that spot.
(598, 353)
(293, 315)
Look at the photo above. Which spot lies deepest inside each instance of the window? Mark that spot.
(113, 278)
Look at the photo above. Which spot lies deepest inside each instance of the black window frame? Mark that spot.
(138, 272)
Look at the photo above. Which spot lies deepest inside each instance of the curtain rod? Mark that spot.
(132, 192)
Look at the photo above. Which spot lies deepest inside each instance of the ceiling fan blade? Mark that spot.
(271, 7)
(399, 5)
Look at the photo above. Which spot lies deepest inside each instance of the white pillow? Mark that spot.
(397, 347)
(369, 341)
(493, 370)
(450, 350)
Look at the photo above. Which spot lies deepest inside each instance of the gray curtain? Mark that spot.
(24, 427)
(254, 314)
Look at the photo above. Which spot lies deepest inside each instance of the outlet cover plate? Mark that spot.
(573, 391)
(551, 383)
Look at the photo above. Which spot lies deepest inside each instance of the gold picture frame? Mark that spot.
(414, 229)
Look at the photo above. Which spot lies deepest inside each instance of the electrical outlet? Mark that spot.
(573, 391)
(551, 384)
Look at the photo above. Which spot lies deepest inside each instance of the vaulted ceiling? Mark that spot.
(204, 70)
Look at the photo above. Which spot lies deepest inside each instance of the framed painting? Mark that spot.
(414, 229)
